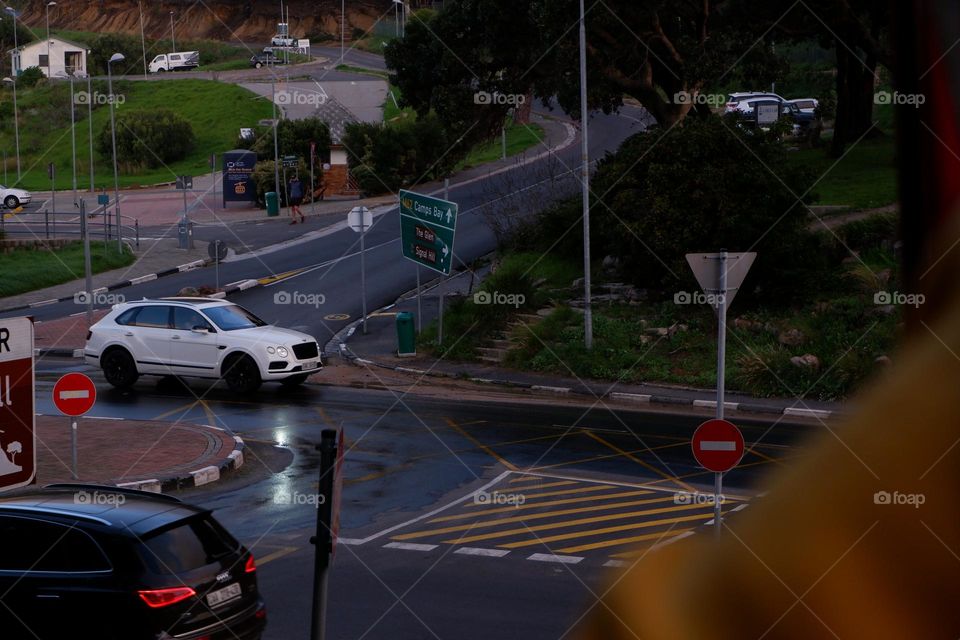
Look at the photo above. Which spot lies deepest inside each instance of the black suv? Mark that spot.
(265, 58)
(90, 561)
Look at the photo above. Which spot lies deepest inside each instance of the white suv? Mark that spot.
(201, 338)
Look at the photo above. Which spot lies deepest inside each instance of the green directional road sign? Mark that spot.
(427, 228)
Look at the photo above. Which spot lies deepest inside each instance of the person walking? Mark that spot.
(295, 193)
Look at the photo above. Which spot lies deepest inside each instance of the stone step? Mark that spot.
(491, 352)
(491, 360)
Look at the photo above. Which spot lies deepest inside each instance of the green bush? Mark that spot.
(386, 158)
(701, 187)
(869, 233)
(29, 77)
(293, 137)
(147, 139)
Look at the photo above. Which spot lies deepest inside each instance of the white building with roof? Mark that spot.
(65, 57)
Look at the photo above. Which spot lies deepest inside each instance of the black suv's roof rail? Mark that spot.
(106, 488)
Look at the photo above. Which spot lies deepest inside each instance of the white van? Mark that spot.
(175, 61)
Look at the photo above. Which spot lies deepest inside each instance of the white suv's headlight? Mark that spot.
(271, 350)
(282, 352)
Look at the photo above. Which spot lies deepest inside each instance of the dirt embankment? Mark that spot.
(214, 19)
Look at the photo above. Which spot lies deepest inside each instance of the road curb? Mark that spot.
(190, 266)
(338, 344)
(197, 477)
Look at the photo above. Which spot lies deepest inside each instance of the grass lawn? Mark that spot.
(29, 269)
(865, 178)
(373, 43)
(519, 138)
(215, 110)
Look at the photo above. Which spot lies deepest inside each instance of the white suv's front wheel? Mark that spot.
(242, 374)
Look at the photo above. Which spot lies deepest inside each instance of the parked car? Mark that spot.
(740, 101)
(201, 338)
(281, 40)
(119, 564)
(13, 198)
(805, 105)
(265, 58)
(180, 61)
(802, 120)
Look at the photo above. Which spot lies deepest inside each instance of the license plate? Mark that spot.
(221, 596)
(309, 365)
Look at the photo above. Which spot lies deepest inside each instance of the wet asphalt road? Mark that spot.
(410, 460)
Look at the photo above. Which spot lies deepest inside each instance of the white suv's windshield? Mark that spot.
(233, 317)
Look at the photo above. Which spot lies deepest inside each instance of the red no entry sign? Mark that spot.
(17, 434)
(717, 445)
(74, 394)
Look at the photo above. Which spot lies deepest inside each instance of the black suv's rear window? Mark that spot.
(191, 545)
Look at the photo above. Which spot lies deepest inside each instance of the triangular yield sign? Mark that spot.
(706, 269)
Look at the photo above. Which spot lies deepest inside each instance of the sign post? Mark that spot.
(18, 441)
(717, 446)
(87, 271)
(74, 394)
(720, 276)
(331, 454)
(313, 187)
(360, 219)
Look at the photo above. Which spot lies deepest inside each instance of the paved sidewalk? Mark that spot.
(164, 454)
(379, 348)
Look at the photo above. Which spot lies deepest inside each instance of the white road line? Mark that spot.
(549, 557)
(616, 563)
(350, 541)
(103, 418)
(476, 551)
(410, 546)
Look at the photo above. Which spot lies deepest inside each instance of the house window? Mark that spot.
(44, 60)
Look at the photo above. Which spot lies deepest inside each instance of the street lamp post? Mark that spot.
(15, 73)
(90, 125)
(117, 57)
(343, 26)
(143, 40)
(47, 11)
(585, 180)
(73, 135)
(16, 122)
(173, 39)
(276, 144)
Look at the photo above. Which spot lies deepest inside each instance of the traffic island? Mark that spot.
(149, 455)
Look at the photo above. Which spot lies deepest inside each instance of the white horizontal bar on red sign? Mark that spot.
(718, 445)
(75, 395)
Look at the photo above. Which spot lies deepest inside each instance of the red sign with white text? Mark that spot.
(18, 444)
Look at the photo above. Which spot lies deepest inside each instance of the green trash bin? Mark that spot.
(406, 334)
(273, 204)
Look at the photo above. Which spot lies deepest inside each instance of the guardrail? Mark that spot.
(47, 225)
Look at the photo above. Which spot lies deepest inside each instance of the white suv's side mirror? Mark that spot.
(200, 330)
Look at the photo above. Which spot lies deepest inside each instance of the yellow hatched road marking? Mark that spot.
(542, 485)
(582, 521)
(664, 535)
(639, 461)
(609, 456)
(453, 425)
(526, 518)
(278, 277)
(545, 494)
(549, 503)
(279, 553)
(615, 529)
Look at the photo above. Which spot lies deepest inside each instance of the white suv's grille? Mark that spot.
(306, 350)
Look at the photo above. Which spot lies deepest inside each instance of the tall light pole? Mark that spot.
(90, 124)
(47, 10)
(73, 134)
(173, 38)
(396, 18)
(276, 144)
(117, 57)
(343, 26)
(15, 73)
(16, 122)
(143, 40)
(585, 180)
